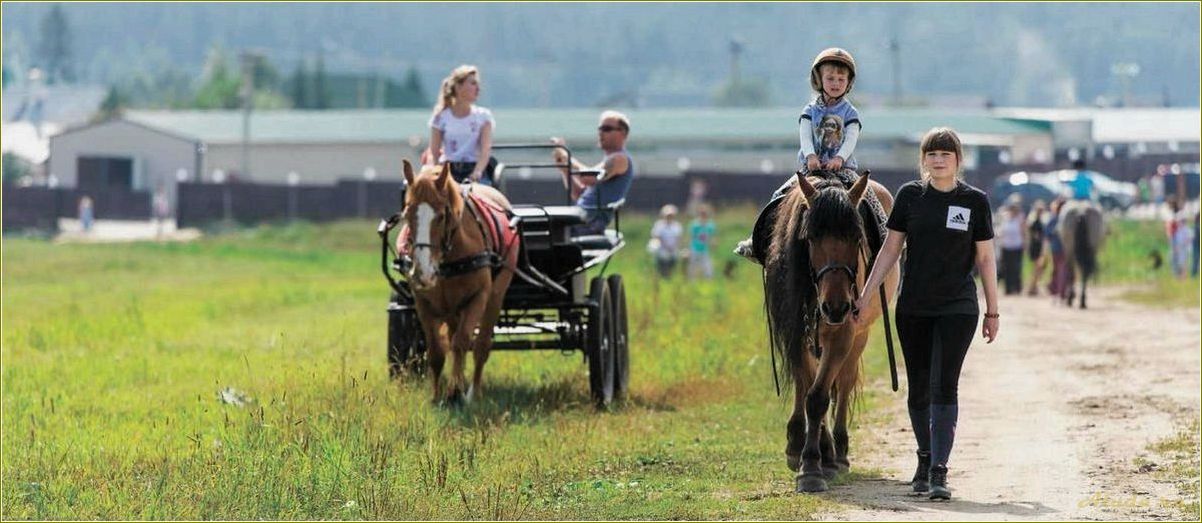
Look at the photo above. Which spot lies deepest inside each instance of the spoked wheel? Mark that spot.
(617, 292)
(406, 344)
(599, 344)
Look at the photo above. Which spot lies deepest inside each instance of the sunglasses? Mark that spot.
(608, 128)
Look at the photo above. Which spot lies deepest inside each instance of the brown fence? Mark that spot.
(41, 207)
(249, 203)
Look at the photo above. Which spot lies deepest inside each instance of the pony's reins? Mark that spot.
(885, 316)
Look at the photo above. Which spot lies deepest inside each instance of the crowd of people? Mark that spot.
(1036, 234)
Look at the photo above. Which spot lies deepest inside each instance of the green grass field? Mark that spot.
(114, 357)
(1126, 260)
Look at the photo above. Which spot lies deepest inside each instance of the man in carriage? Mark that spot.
(597, 195)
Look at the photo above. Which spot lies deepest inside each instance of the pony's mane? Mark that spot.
(790, 295)
(831, 215)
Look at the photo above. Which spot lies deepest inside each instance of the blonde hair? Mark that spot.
(446, 93)
(941, 139)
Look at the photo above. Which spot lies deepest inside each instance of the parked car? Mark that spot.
(1030, 186)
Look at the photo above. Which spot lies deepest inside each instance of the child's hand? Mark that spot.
(812, 162)
(835, 163)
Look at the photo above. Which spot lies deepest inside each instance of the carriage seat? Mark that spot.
(545, 225)
(606, 241)
(557, 215)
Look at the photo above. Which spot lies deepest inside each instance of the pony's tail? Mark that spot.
(1087, 259)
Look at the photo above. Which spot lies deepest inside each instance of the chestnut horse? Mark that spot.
(817, 262)
(460, 273)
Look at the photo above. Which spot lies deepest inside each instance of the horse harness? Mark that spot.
(485, 216)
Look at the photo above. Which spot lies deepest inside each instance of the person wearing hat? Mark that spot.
(829, 125)
(665, 240)
(832, 77)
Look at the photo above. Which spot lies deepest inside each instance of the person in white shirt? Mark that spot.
(665, 240)
(1012, 238)
(460, 131)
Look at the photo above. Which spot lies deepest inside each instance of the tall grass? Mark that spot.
(1127, 260)
(115, 358)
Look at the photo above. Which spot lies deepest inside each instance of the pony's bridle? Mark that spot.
(831, 267)
(448, 234)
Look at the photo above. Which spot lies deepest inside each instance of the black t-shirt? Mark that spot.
(941, 229)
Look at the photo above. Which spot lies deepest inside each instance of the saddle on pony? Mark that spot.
(500, 236)
(870, 210)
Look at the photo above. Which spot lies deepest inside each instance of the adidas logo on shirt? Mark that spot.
(957, 217)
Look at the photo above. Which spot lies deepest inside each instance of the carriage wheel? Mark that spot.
(621, 340)
(599, 345)
(406, 344)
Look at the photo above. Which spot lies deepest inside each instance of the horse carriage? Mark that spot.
(550, 305)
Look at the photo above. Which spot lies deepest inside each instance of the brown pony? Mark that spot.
(454, 288)
(815, 266)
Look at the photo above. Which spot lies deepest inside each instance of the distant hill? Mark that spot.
(1039, 54)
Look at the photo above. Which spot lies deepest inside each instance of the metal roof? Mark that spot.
(1122, 125)
(689, 125)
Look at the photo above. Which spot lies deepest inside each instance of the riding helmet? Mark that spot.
(835, 55)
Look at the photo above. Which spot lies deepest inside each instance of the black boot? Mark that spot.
(921, 481)
(939, 488)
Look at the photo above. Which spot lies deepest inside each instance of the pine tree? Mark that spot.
(300, 87)
(220, 88)
(54, 49)
(414, 95)
(321, 92)
(112, 106)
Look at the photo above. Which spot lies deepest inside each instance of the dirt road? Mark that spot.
(1053, 416)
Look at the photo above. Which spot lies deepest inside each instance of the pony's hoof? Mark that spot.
(794, 461)
(830, 471)
(811, 483)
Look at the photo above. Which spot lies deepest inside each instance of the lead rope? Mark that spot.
(885, 316)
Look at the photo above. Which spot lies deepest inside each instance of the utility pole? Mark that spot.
(895, 56)
(736, 49)
(248, 59)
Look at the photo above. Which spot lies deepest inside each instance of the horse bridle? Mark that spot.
(447, 233)
(832, 267)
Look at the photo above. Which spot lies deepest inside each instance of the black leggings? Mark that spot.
(934, 349)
